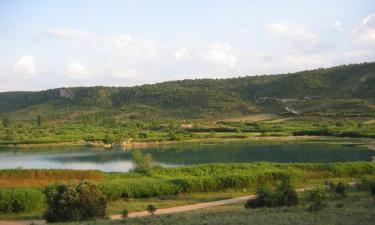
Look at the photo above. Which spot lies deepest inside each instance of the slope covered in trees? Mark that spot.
(342, 89)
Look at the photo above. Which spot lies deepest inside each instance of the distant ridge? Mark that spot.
(346, 89)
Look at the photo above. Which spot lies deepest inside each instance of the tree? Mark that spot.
(6, 122)
(108, 139)
(151, 209)
(141, 162)
(74, 202)
(39, 121)
(340, 189)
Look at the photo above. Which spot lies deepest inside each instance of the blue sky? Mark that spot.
(49, 44)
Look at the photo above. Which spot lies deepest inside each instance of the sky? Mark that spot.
(49, 44)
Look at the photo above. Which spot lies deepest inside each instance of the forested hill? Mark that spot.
(343, 89)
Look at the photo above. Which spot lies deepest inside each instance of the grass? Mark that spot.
(167, 187)
(134, 205)
(50, 134)
(13, 178)
(357, 209)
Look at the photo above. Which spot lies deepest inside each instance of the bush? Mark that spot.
(151, 209)
(284, 195)
(340, 189)
(125, 213)
(74, 202)
(20, 200)
(372, 188)
(317, 197)
(142, 163)
(138, 188)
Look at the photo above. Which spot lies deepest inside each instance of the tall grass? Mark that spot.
(20, 200)
(43, 177)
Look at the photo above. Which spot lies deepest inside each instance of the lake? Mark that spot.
(185, 154)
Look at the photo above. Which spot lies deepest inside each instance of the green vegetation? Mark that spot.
(74, 202)
(165, 182)
(151, 209)
(20, 200)
(142, 163)
(284, 195)
(345, 87)
(326, 102)
(38, 178)
(356, 209)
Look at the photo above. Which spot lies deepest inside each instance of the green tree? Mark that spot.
(151, 209)
(74, 202)
(6, 122)
(109, 139)
(141, 162)
(39, 121)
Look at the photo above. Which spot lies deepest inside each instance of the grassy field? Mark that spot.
(49, 134)
(167, 187)
(357, 208)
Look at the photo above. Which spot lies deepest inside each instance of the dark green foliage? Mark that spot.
(317, 197)
(74, 202)
(39, 121)
(108, 139)
(6, 122)
(372, 188)
(138, 188)
(142, 163)
(341, 189)
(125, 213)
(284, 195)
(339, 90)
(20, 200)
(151, 209)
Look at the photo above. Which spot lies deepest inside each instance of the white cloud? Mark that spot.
(26, 66)
(121, 42)
(337, 25)
(75, 70)
(297, 34)
(181, 53)
(67, 33)
(220, 54)
(364, 32)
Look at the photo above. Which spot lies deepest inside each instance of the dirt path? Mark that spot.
(185, 208)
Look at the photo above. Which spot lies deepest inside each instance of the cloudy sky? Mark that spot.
(48, 44)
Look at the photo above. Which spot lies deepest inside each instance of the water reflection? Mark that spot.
(231, 152)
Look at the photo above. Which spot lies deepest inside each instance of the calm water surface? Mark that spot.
(185, 154)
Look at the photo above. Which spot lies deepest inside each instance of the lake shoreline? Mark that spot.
(364, 142)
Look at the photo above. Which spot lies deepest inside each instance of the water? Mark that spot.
(185, 154)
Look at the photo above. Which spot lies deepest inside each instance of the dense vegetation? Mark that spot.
(356, 209)
(37, 178)
(345, 90)
(20, 200)
(74, 202)
(336, 102)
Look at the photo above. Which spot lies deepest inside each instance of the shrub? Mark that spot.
(372, 188)
(138, 188)
(20, 200)
(74, 202)
(340, 189)
(142, 162)
(284, 195)
(125, 213)
(317, 197)
(151, 209)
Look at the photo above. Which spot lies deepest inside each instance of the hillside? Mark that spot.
(347, 90)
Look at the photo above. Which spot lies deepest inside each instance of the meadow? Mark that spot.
(357, 208)
(162, 183)
(50, 134)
